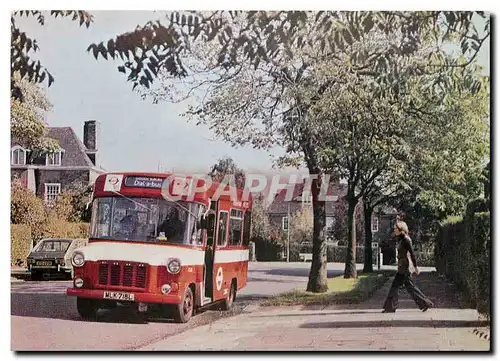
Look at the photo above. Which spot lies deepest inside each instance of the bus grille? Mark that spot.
(122, 274)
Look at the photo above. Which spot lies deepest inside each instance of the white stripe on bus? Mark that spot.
(155, 255)
(229, 256)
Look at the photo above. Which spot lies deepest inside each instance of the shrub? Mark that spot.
(462, 253)
(58, 228)
(20, 243)
(267, 250)
(425, 259)
(25, 206)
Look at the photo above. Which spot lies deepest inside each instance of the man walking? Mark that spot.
(403, 276)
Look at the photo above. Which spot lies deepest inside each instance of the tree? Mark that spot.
(261, 36)
(22, 46)
(226, 166)
(27, 125)
(246, 67)
(263, 234)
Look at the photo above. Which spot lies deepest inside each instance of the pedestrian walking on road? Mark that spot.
(403, 276)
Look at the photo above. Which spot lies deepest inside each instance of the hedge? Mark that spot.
(62, 229)
(20, 243)
(462, 254)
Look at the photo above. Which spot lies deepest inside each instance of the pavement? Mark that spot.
(447, 327)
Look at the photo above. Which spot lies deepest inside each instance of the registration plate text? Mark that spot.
(43, 263)
(121, 296)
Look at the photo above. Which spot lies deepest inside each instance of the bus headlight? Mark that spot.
(174, 266)
(78, 259)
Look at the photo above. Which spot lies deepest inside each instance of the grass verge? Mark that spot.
(340, 291)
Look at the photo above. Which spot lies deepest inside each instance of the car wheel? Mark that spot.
(36, 276)
(227, 304)
(87, 308)
(184, 310)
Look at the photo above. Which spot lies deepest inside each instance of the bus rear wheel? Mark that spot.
(184, 310)
(87, 308)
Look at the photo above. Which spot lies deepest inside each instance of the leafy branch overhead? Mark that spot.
(23, 46)
(164, 47)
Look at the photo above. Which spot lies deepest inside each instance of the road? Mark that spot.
(44, 318)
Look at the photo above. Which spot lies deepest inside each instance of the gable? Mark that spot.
(74, 151)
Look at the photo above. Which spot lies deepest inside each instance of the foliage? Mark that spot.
(341, 291)
(22, 47)
(274, 79)
(463, 255)
(266, 239)
(25, 207)
(301, 226)
(227, 167)
(276, 37)
(20, 243)
(54, 227)
(340, 225)
(27, 125)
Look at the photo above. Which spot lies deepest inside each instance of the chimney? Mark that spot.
(90, 133)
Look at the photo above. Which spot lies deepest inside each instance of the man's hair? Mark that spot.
(402, 227)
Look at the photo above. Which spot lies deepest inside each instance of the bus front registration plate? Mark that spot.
(120, 296)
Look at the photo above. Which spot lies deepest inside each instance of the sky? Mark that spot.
(135, 134)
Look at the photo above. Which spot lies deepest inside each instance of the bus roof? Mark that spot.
(142, 184)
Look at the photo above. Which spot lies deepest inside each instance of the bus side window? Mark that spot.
(210, 229)
(222, 233)
(235, 227)
(246, 227)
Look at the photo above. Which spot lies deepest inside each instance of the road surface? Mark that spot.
(44, 318)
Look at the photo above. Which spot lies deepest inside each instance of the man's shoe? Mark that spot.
(427, 307)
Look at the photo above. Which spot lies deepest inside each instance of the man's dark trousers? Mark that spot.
(404, 279)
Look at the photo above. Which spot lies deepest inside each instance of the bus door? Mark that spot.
(209, 252)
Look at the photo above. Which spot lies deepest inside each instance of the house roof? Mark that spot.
(75, 152)
(280, 204)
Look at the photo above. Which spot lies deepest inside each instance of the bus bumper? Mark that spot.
(138, 297)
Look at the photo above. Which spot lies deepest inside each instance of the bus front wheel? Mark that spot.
(87, 308)
(184, 310)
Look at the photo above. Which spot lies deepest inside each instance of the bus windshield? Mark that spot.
(146, 219)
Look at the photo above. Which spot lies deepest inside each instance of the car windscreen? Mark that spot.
(52, 246)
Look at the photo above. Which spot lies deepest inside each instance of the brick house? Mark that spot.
(383, 220)
(279, 209)
(74, 167)
(383, 217)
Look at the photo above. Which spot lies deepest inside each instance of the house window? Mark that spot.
(53, 159)
(52, 191)
(374, 224)
(18, 156)
(284, 223)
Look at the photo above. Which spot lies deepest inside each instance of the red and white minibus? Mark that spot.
(185, 250)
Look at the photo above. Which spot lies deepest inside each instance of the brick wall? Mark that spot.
(69, 179)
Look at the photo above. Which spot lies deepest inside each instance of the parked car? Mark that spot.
(52, 256)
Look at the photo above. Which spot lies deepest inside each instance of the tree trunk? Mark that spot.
(350, 261)
(368, 264)
(318, 274)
